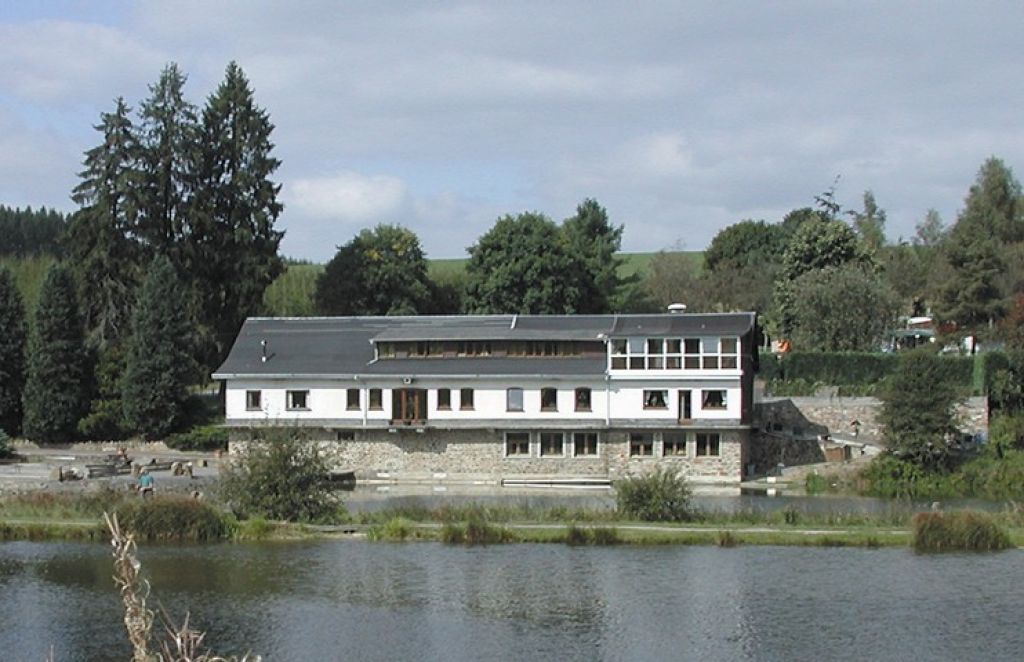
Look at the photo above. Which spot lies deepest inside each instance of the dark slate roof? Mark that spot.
(342, 346)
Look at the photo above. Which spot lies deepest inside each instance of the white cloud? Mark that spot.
(60, 62)
(348, 197)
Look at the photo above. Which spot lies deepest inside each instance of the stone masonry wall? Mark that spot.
(837, 413)
(438, 455)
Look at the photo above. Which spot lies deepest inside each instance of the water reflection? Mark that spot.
(355, 600)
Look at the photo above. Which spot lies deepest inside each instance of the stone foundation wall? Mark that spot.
(437, 455)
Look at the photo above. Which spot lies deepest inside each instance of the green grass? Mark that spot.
(28, 275)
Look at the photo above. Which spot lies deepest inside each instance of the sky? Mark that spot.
(680, 118)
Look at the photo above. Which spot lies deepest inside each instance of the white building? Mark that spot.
(500, 397)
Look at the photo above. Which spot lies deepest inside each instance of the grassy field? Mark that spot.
(28, 275)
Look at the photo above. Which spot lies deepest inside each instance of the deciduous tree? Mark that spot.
(839, 309)
(520, 266)
(380, 272)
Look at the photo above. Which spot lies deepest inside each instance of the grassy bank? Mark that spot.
(79, 517)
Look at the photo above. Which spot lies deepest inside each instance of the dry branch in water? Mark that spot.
(181, 643)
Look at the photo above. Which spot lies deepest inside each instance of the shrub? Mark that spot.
(960, 531)
(892, 477)
(282, 477)
(173, 518)
(203, 438)
(660, 496)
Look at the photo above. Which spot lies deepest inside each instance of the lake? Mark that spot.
(342, 599)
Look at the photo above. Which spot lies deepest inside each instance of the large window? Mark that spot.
(253, 400)
(583, 399)
(714, 399)
(703, 353)
(466, 399)
(708, 444)
(296, 400)
(352, 399)
(444, 398)
(514, 399)
(517, 444)
(674, 444)
(552, 444)
(656, 399)
(376, 399)
(641, 444)
(584, 444)
(548, 399)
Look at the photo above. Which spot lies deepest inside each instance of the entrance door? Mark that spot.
(685, 406)
(409, 405)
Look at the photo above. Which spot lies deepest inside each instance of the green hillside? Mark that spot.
(291, 295)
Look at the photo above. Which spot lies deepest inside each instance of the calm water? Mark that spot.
(364, 601)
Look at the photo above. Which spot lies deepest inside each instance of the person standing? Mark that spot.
(145, 484)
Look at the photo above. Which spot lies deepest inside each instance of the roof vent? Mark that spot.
(677, 308)
(263, 345)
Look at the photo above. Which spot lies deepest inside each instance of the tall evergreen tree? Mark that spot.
(593, 244)
(56, 387)
(231, 252)
(99, 242)
(160, 365)
(993, 207)
(12, 353)
(168, 139)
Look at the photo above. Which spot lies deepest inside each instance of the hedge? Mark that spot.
(860, 369)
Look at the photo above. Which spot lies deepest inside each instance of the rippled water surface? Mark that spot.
(368, 601)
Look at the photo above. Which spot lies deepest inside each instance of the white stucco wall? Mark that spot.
(624, 399)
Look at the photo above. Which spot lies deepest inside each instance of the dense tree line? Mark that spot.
(171, 248)
(27, 232)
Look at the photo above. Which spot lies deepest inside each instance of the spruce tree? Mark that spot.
(12, 353)
(99, 242)
(56, 387)
(160, 365)
(168, 144)
(593, 244)
(231, 251)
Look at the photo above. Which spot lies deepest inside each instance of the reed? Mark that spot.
(958, 531)
(175, 518)
(395, 529)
